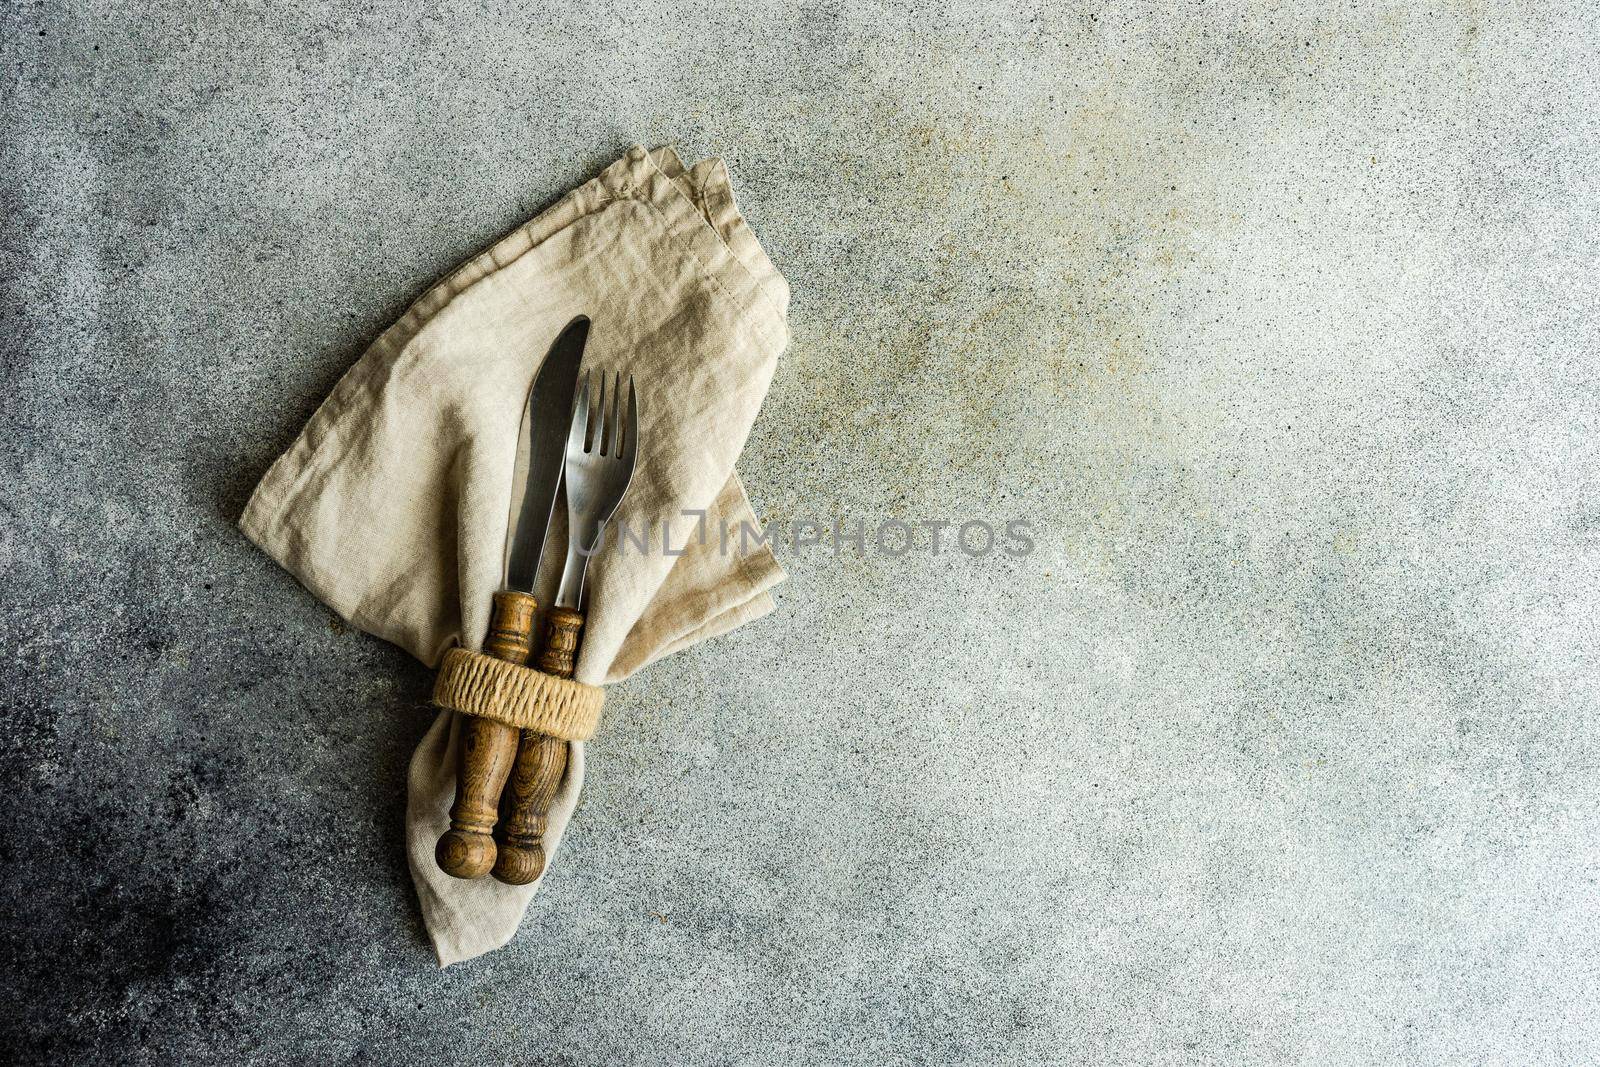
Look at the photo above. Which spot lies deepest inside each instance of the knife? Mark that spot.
(489, 748)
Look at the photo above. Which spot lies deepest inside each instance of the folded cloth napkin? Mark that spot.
(392, 505)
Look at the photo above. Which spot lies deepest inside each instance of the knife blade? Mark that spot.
(549, 412)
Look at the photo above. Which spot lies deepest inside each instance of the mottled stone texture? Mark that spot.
(1279, 324)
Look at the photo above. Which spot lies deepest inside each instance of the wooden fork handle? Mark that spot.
(488, 751)
(540, 765)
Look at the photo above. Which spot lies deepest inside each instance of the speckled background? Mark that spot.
(1279, 322)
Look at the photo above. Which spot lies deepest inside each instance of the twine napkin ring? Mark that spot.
(477, 684)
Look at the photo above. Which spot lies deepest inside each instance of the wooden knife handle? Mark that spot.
(488, 751)
(541, 764)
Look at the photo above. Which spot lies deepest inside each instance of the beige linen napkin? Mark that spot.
(392, 505)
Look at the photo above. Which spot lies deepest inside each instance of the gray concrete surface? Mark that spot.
(1279, 322)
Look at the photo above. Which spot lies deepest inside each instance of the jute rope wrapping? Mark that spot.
(517, 696)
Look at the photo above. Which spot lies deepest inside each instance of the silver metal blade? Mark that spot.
(549, 410)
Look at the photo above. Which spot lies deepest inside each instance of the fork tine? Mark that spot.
(630, 448)
(580, 418)
(602, 429)
(615, 439)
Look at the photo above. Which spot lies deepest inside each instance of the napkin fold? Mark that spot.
(393, 503)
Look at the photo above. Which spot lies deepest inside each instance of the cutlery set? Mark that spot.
(520, 719)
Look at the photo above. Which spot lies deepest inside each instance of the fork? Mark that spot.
(598, 468)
